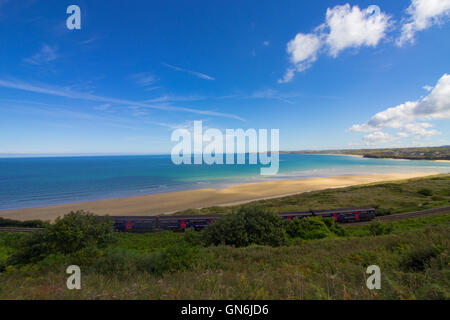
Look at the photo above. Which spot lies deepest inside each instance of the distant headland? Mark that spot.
(421, 153)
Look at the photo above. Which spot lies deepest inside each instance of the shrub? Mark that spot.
(176, 258)
(193, 238)
(250, 225)
(419, 258)
(229, 230)
(308, 228)
(425, 192)
(10, 239)
(378, 229)
(58, 261)
(31, 249)
(334, 227)
(73, 232)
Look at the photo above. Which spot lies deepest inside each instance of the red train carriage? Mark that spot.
(198, 222)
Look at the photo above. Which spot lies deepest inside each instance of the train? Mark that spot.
(142, 224)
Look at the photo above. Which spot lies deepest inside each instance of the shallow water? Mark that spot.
(31, 182)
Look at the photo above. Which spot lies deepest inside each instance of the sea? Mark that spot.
(43, 181)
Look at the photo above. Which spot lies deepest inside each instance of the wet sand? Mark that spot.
(165, 203)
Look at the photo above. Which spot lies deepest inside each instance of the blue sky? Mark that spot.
(323, 72)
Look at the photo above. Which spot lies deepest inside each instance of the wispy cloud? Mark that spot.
(45, 55)
(268, 94)
(88, 41)
(61, 92)
(57, 111)
(152, 88)
(273, 94)
(194, 73)
(144, 79)
(168, 98)
(102, 107)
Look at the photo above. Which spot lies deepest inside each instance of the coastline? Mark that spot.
(166, 203)
(360, 156)
(338, 154)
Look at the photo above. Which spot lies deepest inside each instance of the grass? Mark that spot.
(148, 242)
(388, 198)
(401, 226)
(413, 260)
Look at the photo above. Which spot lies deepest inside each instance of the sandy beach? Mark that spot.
(165, 203)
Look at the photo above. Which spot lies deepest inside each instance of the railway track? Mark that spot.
(394, 217)
(14, 229)
(406, 215)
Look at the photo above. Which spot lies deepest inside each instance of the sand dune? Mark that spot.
(175, 201)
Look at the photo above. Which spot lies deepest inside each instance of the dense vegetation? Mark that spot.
(387, 198)
(317, 260)
(430, 153)
(72, 233)
(250, 225)
(24, 224)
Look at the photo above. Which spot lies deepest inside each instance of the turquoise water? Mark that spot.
(31, 182)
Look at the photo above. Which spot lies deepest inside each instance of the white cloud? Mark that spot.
(434, 106)
(437, 104)
(422, 15)
(45, 55)
(344, 27)
(354, 27)
(351, 27)
(406, 117)
(194, 73)
(394, 117)
(418, 130)
(266, 43)
(303, 52)
(377, 138)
